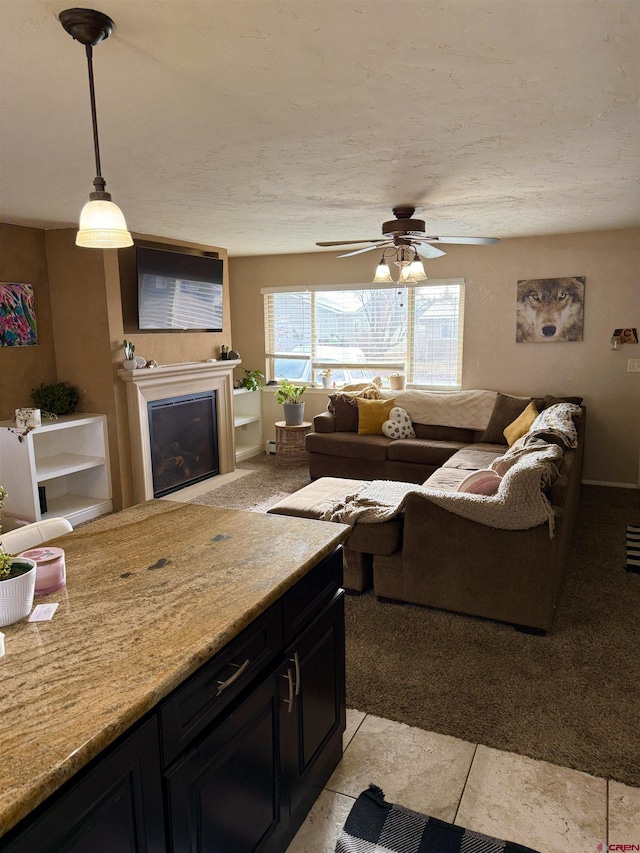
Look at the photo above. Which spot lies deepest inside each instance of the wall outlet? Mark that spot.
(633, 365)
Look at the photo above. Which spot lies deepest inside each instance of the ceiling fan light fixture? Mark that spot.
(102, 224)
(416, 270)
(383, 273)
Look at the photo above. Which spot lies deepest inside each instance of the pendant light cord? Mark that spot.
(99, 181)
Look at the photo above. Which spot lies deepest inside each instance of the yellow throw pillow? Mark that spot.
(521, 425)
(372, 414)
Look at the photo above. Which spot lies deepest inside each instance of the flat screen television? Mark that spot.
(178, 292)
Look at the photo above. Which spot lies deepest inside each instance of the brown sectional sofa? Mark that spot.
(429, 555)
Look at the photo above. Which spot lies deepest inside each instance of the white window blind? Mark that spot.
(360, 333)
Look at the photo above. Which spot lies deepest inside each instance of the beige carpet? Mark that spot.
(571, 698)
(262, 487)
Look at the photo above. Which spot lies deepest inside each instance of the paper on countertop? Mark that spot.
(43, 612)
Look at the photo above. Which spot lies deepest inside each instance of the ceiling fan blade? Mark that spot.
(350, 242)
(476, 241)
(428, 251)
(366, 249)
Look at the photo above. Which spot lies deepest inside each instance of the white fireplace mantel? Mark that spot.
(149, 384)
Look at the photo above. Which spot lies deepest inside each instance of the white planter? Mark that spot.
(130, 364)
(326, 382)
(396, 381)
(16, 594)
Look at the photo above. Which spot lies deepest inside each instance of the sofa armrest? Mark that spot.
(324, 422)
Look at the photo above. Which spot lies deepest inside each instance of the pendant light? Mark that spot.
(102, 224)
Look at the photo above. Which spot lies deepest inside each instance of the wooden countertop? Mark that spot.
(152, 593)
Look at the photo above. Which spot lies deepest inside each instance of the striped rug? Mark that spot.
(633, 548)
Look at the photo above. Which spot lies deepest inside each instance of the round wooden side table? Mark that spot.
(290, 450)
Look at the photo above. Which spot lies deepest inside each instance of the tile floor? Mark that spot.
(549, 808)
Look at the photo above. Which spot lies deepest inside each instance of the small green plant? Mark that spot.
(289, 393)
(129, 350)
(326, 372)
(5, 559)
(253, 380)
(59, 398)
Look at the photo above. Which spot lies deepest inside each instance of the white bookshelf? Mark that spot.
(247, 422)
(69, 458)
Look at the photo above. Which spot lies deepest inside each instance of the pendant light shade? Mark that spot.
(102, 224)
(383, 273)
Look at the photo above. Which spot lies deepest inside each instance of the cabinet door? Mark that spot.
(116, 806)
(224, 796)
(312, 730)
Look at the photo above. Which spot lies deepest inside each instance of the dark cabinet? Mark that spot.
(313, 723)
(225, 795)
(114, 805)
(233, 759)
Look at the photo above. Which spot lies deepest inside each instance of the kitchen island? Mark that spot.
(192, 629)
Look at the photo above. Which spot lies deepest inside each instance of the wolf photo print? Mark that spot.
(550, 310)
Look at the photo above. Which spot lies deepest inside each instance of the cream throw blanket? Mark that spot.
(519, 503)
(466, 409)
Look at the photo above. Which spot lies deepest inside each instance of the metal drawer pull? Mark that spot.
(296, 661)
(222, 685)
(289, 701)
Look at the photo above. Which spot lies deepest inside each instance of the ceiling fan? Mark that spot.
(403, 231)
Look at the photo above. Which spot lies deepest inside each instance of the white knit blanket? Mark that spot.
(519, 503)
(466, 409)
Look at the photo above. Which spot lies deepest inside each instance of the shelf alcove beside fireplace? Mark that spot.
(150, 389)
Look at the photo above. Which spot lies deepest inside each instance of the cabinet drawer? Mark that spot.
(308, 597)
(194, 705)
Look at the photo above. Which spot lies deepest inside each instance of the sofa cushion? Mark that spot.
(372, 414)
(444, 433)
(475, 456)
(446, 478)
(549, 400)
(505, 411)
(349, 444)
(421, 451)
(521, 425)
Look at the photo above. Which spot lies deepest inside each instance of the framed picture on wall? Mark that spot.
(550, 310)
(18, 326)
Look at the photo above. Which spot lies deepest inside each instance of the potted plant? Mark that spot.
(252, 380)
(326, 377)
(17, 583)
(289, 395)
(130, 362)
(58, 398)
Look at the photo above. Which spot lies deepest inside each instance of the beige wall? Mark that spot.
(23, 260)
(610, 262)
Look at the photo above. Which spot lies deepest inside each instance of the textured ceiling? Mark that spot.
(265, 126)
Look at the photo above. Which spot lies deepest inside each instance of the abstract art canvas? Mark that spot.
(17, 315)
(550, 310)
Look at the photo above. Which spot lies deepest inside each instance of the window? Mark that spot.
(361, 333)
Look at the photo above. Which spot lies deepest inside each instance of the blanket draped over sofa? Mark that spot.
(519, 503)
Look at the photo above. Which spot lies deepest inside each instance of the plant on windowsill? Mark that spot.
(17, 582)
(326, 375)
(289, 395)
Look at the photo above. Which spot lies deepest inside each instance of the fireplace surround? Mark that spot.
(176, 380)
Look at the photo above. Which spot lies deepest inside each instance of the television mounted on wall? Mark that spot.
(178, 291)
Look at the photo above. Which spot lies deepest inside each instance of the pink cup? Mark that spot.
(50, 571)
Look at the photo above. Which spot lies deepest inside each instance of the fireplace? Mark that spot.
(172, 385)
(183, 435)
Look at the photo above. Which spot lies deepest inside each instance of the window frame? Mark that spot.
(406, 366)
